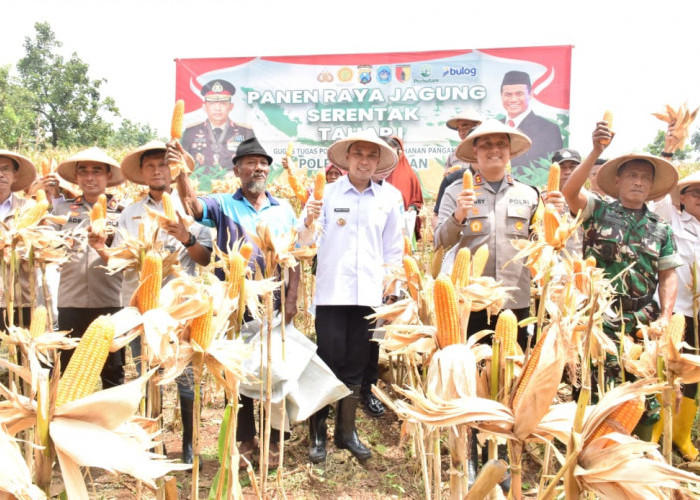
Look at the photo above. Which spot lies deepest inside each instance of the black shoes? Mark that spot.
(317, 435)
(345, 431)
(372, 405)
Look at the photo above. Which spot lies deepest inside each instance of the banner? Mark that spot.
(315, 100)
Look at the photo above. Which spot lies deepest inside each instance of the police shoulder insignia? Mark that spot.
(475, 226)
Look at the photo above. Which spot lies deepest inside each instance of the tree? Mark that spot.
(68, 104)
(16, 118)
(132, 134)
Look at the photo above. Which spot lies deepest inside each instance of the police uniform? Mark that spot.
(617, 237)
(201, 142)
(85, 290)
(497, 218)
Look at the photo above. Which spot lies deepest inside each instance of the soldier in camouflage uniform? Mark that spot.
(631, 243)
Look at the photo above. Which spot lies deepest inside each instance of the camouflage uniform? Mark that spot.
(617, 237)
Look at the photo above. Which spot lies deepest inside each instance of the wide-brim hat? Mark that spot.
(665, 175)
(251, 147)
(66, 168)
(686, 181)
(338, 151)
(26, 172)
(131, 164)
(519, 142)
(469, 115)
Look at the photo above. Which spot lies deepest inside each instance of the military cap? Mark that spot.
(218, 90)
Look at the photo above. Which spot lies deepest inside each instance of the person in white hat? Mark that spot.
(360, 233)
(146, 165)
(624, 235)
(17, 173)
(85, 289)
(686, 235)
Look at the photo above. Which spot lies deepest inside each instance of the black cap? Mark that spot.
(251, 147)
(218, 90)
(566, 155)
(516, 78)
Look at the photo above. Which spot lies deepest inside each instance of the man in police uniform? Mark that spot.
(85, 290)
(213, 143)
(16, 174)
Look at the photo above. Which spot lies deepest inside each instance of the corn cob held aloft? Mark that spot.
(446, 315)
(551, 224)
(151, 281)
(607, 117)
(83, 370)
(176, 124)
(299, 190)
(553, 178)
(319, 185)
(168, 208)
(467, 180)
(32, 216)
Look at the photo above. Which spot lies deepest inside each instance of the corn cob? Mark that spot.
(623, 420)
(201, 330)
(45, 167)
(528, 369)
(467, 180)
(33, 215)
(447, 318)
(168, 208)
(290, 149)
(551, 224)
(461, 268)
(319, 186)
(676, 328)
(407, 246)
(151, 281)
(246, 251)
(296, 186)
(236, 273)
(83, 370)
(579, 278)
(178, 119)
(99, 209)
(507, 332)
(37, 326)
(590, 261)
(410, 266)
(40, 196)
(553, 178)
(481, 256)
(607, 117)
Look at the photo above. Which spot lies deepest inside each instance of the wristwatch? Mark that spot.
(190, 242)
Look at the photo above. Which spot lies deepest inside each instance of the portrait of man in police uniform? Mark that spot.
(213, 142)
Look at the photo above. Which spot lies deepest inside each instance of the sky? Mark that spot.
(629, 57)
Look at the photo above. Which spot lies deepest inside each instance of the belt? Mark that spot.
(632, 305)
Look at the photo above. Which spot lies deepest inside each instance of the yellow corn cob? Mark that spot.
(236, 273)
(676, 328)
(168, 208)
(461, 268)
(507, 332)
(410, 266)
(590, 261)
(246, 251)
(481, 256)
(607, 117)
(446, 316)
(452, 170)
(467, 180)
(623, 420)
(528, 369)
(551, 224)
(178, 119)
(296, 186)
(45, 167)
(201, 330)
(32, 216)
(406, 246)
(38, 324)
(579, 277)
(102, 200)
(554, 176)
(83, 370)
(99, 209)
(151, 281)
(40, 196)
(290, 149)
(319, 186)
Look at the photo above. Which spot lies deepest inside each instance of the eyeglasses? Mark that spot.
(490, 145)
(7, 169)
(695, 193)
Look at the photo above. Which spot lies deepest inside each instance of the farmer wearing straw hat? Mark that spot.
(147, 166)
(630, 243)
(85, 289)
(359, 232)
(16, 174)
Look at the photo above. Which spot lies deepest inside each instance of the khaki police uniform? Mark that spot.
(85, 290)
(202, 143)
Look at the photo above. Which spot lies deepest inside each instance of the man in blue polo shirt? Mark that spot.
(235, 216)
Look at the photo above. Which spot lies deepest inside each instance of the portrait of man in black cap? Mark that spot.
(213, 142)
(545, 135)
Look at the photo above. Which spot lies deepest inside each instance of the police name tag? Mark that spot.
(341, 210)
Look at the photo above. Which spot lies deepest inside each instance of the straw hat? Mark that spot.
(337, 152)
(131, 164)
(66, 168)
(468, 115)
(26, 172)
(519, 142)
(665, 175)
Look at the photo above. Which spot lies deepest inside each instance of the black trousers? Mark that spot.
(343, 339)
(479, 321)
(245, 431)
(371, 375)
(78, 319)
